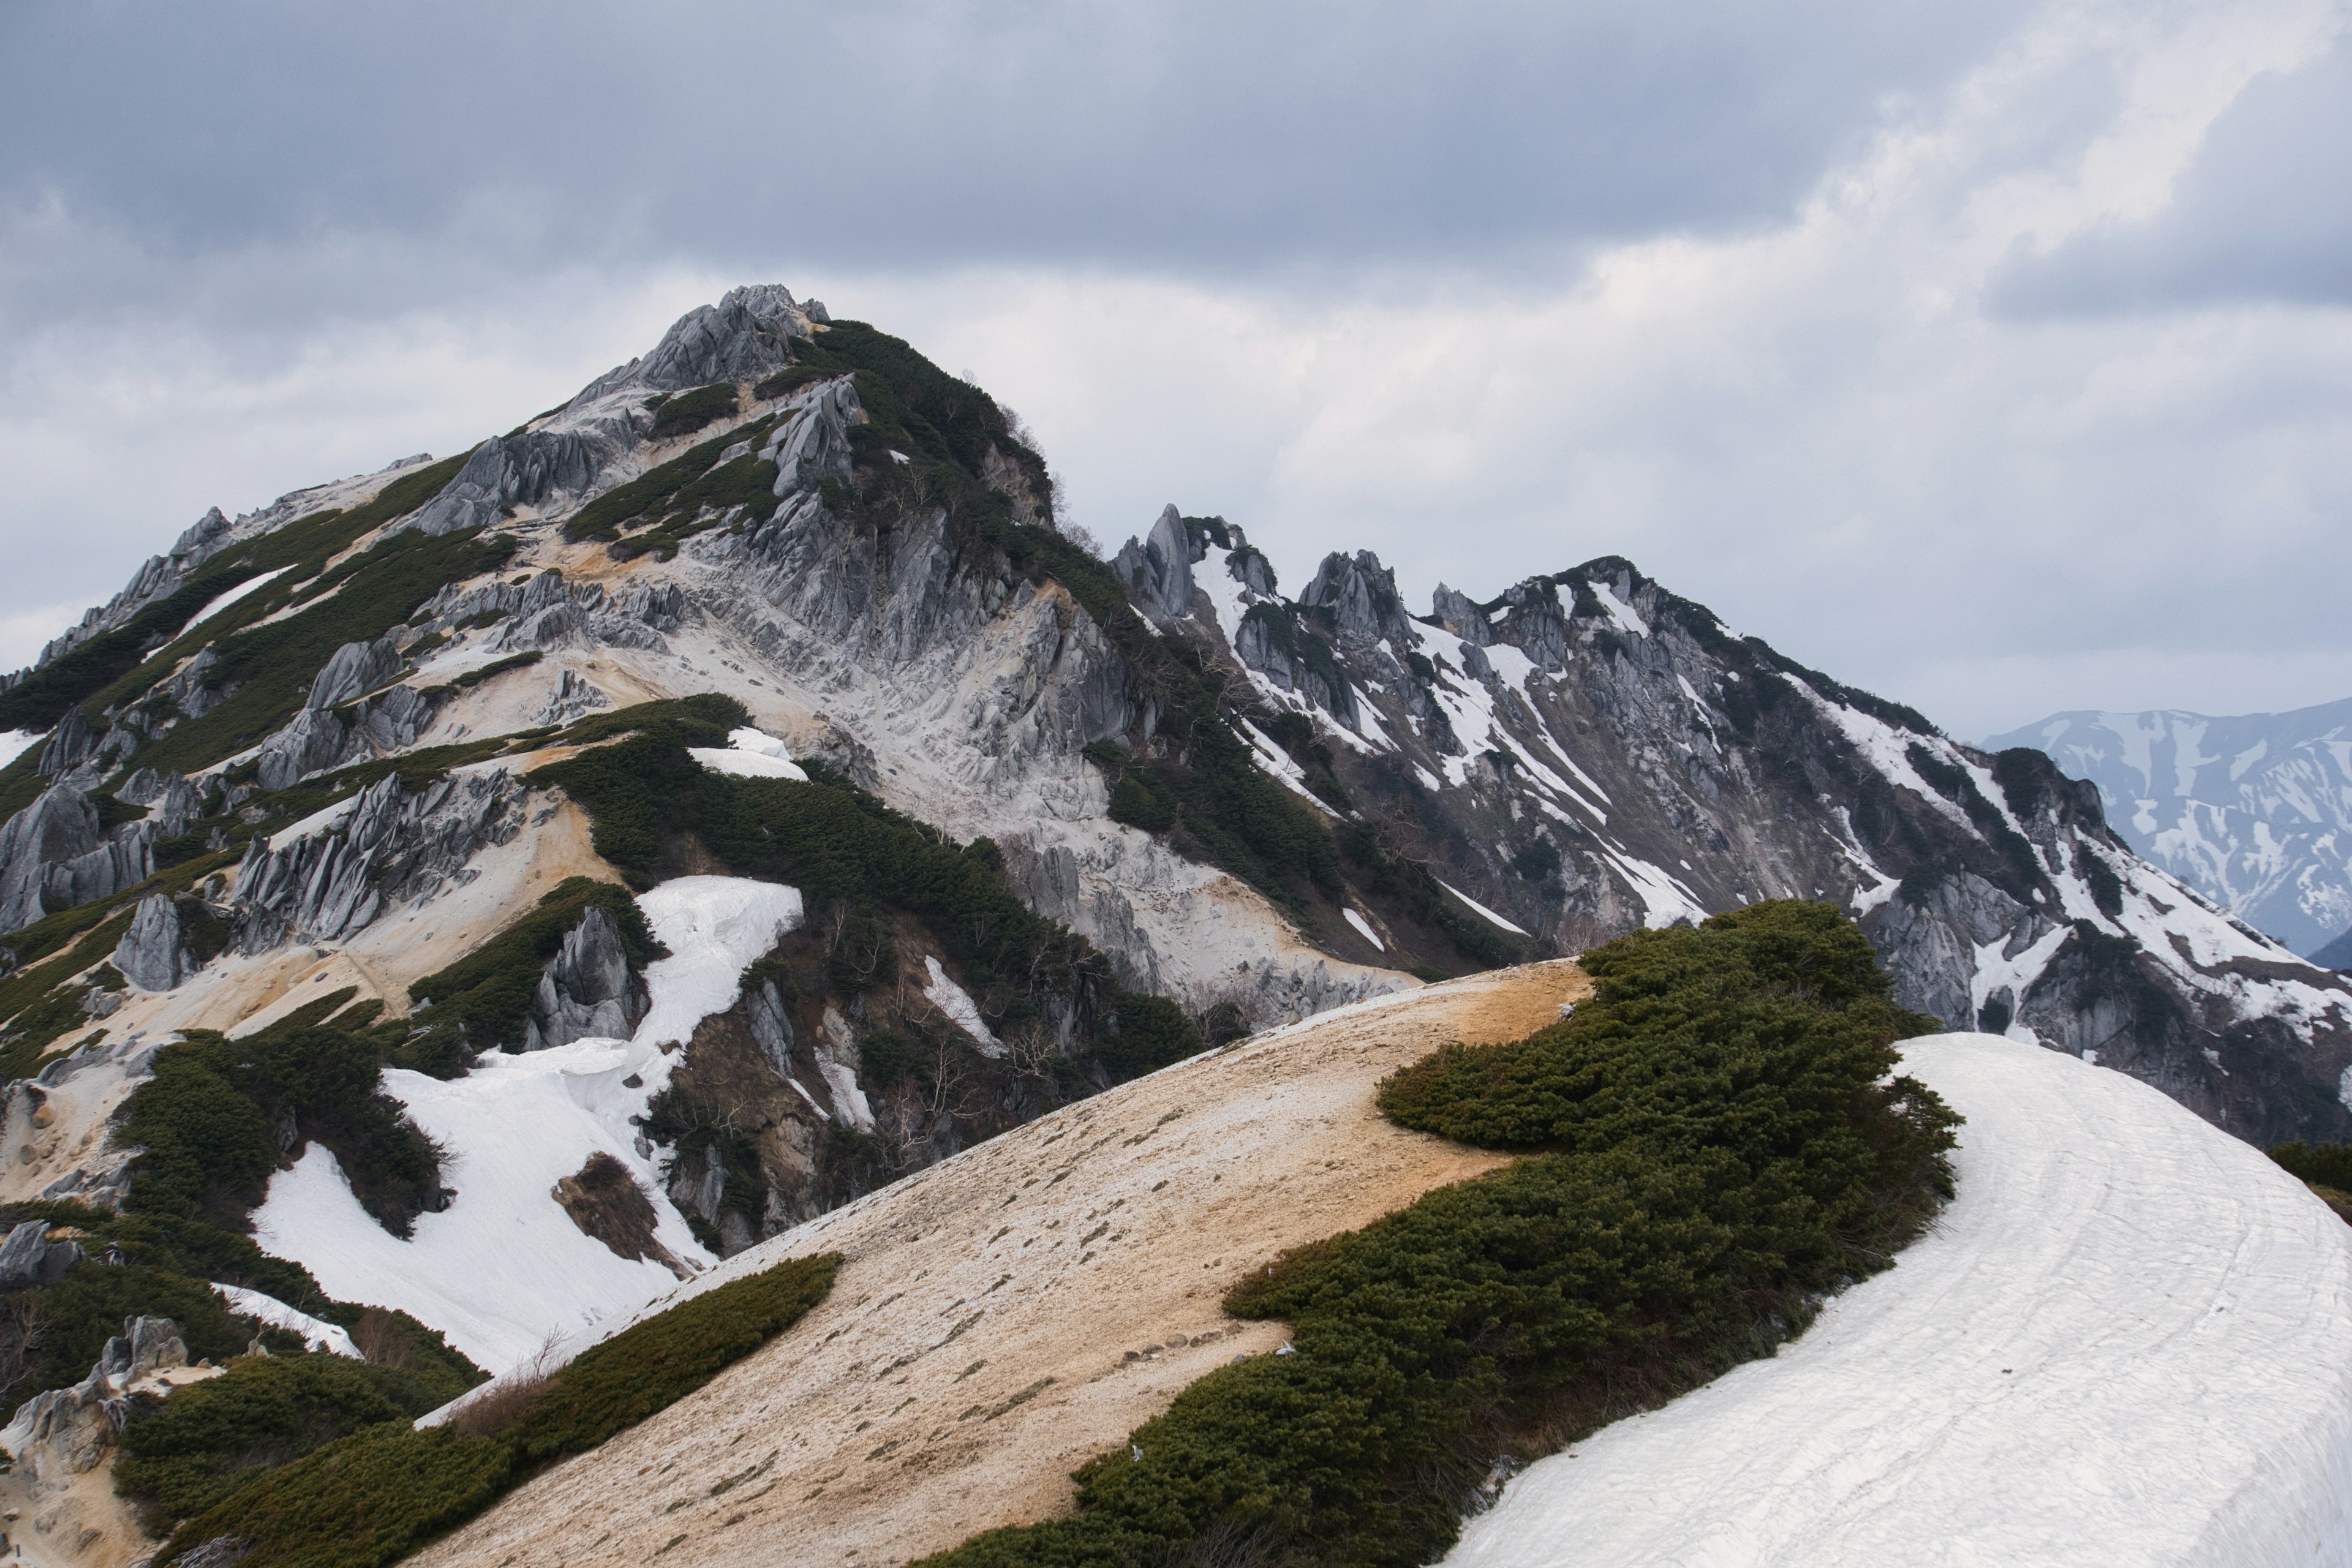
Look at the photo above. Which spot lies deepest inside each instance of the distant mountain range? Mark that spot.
(2253, 812)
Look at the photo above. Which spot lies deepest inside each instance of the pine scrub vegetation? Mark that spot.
(1712, 1145)
(375, 1495)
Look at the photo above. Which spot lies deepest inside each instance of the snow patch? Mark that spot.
(503, 1268)
(1627, 617)
(1480, 910)
(956, 1002)
(1364, 927)
(2127, 1341)
(317, 1332)
(751, 755)
(14, 743)
(222, 601)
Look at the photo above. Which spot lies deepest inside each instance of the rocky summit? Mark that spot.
(548, 870)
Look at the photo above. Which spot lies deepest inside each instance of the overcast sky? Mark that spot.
(1997, 357)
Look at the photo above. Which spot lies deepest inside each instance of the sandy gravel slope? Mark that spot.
(2129, 1342)
(1005, 1315)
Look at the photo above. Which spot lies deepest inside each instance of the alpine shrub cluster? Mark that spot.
(386, 1489)
(1711, 1146)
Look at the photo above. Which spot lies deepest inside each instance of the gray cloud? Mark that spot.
(1490, 289)
(1202, 136)
(2262, 212)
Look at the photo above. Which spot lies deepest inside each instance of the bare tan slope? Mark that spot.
(1003, 1316)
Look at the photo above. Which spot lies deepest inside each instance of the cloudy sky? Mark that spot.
(1997, 357)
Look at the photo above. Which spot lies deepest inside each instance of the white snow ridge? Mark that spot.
(2127, 1341)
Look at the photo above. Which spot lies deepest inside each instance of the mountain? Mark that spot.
(452, 905)
(2252, 812)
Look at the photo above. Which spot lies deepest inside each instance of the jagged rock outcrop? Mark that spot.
(150, 954)
(743, 337)
(574, 695)
(54, 849)
(69, 745)
(318, 740)
(523, 470)
(587, 988)
(1359, 594)
(388, 846)
(547, 613)
(1459, 614)
(28, 1257)
(1588, 752)
(66, 1432)
(354, 670)
(813, 444)
(1157, 569)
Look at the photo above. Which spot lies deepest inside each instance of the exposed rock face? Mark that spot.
(355, 669)
(54, 848)
(548, 612)
(28, 1257)
(586, 989)
(812, 445)
(66, 1431)
(524, 469)
(389, 847)
(574, 695)
(605, 1202)
(1360, 595)
(1157, 571)
(319, 740)
(743, 337)
(150, 954)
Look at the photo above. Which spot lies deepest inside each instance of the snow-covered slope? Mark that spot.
(504, 1266)
(2254, 812)
(1587, 752)
(2127, 1341)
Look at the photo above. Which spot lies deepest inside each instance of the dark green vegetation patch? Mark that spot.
(1712, 1145)
(182, 1456)
(379, 1493)
(690, 411)
(2325, 1168)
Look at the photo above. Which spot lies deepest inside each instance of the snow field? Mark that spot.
(752, 754)
(2129, 1340)
(503, 1268)
(317, 1333)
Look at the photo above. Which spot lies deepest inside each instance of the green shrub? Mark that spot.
(1146, 1033)
(690, 411)
(784, 383)
(653, 1364)
(1712, 1148)
(182, 1456)
(374, 1497)
(681, 485)
(2321, 1164)
(272, 665)
(370, 1499)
